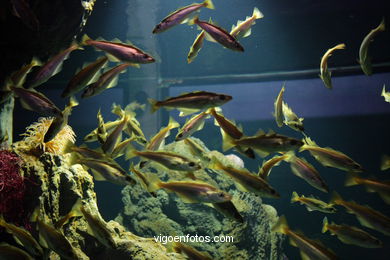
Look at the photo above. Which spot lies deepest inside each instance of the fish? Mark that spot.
(169, 160)
(217, 34)
(313, 204)
(190, 252)
(51, 67)
(364, 58)
(265, 169)
(291, 119)
(367, 216)
(309, 248)
(158, 140)
(385, 95)
(198, 151)
(37, 102)
(86, 152)
(301, 168)
(143, 180)
(243, 28)
(245, 180)
(107, 170)
(10, 252)
(228, 210)
(191, 102)
(101, 131)
(133, 126)
(121, 148)
(18, 77)
(264, 144)
(52, 238)
(192, 125)
(278, 107)
(229, 131)
(118, 51)
(97, 227)
(23, 238)
(181, 15)
(372, 185)
(59, 123)
(325, 74)
(22, 10)
(107, 80)
(193, 191)
(114, 137)
(196, 47)
(109, 126)
(385, 162)
(85, 76)
(351, 235)
(329, 157)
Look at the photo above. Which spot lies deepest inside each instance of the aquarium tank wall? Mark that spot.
(195, 130)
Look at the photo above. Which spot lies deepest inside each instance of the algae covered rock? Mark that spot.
(54, 188)
(167, 215)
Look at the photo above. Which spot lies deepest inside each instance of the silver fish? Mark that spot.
(180, 16)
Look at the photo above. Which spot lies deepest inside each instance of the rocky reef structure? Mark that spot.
(51, 187)
(168, 215)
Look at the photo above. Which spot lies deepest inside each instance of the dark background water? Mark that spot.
(286, 45)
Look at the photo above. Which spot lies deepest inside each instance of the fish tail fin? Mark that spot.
(154, 182)
(215, 164)
(324, 225)
(85, 39)
(131, 152)
(208, 4)
(257, 14)
(382, 25)
(36, 62)
(194, 20)
(340, 46)
(384, 164)
(154, 105)
(336, 199)
(281, 225)
(294, 197)
(173, 123)
(227, 141)
(351, 179)
(383, 90)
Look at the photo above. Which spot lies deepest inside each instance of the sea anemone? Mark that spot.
(35, 133)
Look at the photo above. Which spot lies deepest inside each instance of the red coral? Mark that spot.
(12, 189)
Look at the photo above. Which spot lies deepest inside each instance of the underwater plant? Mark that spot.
(12, 188)
(35, 134)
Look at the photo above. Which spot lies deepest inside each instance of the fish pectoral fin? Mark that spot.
(42, 241)
(309, 209)
(261, 153)
(186, 199)
(209, 38)
(112, 58)
(292, 242)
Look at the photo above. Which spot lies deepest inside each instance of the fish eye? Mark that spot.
(145, 56)
(293, 142)
(180, 135)
(221, 195)
(222, 97)
(191, 164)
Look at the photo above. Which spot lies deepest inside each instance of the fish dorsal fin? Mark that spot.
(260, 132)
(271, 132)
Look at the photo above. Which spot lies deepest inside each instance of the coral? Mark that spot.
(35, 134)
(12, 189)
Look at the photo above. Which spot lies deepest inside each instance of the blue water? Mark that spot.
(285, 46)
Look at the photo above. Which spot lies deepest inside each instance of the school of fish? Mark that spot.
(124, 137)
